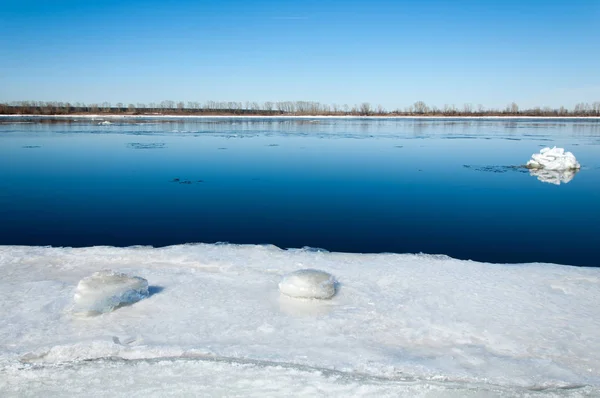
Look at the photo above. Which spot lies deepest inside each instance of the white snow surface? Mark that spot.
(106, 290)
(553, 159)
(308, 283)
(216, 324)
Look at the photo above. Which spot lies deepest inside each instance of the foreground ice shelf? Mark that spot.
(433, 322)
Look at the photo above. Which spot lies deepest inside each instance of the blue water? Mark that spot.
(383, 185)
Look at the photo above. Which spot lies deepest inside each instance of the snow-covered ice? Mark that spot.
(308, 283)
(216, 324)
(553, 159)
(106, 290)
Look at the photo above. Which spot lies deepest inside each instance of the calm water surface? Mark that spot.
(358, 185)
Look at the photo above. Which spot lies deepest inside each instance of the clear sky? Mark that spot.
(392, 53)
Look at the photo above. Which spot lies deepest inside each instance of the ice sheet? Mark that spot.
(399, 318)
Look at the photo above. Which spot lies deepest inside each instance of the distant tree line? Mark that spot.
(292, 108)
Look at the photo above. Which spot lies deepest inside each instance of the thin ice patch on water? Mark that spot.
(185, 181)
(150, 145)
(461, 137)
(497, 169)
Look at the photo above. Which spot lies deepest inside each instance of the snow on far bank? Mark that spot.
(315, 117)
(419, 322)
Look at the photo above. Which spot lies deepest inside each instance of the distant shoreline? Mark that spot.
(154, 116)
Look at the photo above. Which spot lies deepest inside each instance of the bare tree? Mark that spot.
(420, 107)
(365, 109)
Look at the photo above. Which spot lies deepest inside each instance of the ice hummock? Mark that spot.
(106, 290)
(308, 283)
(553, 159)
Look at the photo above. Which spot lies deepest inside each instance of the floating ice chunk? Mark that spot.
(104, 123)
(555, 177)
(308, 283)
(553, 159)
(105, 290)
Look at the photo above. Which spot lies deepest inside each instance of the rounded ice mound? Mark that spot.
(106, 290)
(553, 159)
(308, 283)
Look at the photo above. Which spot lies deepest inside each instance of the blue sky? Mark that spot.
(391, 53)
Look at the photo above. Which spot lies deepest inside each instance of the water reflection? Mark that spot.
(555, 177)
(325, 127)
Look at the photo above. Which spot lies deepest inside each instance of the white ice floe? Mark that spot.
(555, 177)
(217, 325)
(106, 290)
(308, 283)
(553, 159)
(104, 123)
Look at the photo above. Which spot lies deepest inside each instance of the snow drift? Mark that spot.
(553, 159)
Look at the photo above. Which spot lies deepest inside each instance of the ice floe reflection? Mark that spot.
(555, 177)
